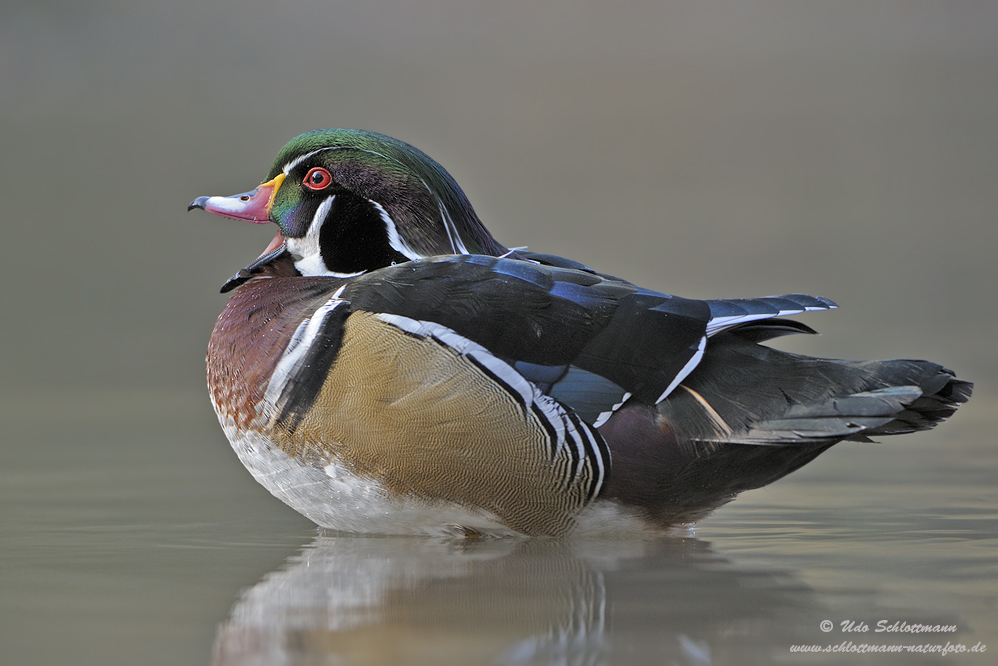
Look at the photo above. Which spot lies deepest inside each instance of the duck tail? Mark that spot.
(750, 414)
(748, 393)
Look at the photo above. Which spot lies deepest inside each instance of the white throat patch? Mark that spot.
(306, 251)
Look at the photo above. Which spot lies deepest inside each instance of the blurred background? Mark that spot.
(709, 149)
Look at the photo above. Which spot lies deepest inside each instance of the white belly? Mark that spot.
(337, 499)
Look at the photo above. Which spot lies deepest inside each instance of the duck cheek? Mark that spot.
(294, 220)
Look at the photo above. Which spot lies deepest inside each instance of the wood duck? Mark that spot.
(387, 366)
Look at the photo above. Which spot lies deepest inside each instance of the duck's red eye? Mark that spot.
(317, 179)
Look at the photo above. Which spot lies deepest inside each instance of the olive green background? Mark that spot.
(709, 149)
(706, 149)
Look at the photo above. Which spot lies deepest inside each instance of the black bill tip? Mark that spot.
(236, 280)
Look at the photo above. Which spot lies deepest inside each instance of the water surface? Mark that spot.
(122, 550)
(711, 150)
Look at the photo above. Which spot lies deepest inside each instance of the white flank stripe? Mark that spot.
(462, 345)
(553, 414)
(572, 439)
(605, 416)
(598, 460)
(602, 418)
(456, 342)
(687, 369)
(506, 373)
(405, 323)
(301, 342)
(547, 408)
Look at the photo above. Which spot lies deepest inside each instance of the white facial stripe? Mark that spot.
(456, 244)
(306, 249)
(301, 158)
(397, 242)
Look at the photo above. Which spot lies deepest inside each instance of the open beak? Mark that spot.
(252, 207)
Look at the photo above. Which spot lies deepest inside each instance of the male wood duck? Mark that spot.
(387, 366)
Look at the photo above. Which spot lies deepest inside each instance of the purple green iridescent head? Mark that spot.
(350, 201)
(397, 187)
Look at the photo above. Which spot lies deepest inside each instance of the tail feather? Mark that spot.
(747, 393)
(838, 417)
(750, 414)
(928, 410)
(728, 313)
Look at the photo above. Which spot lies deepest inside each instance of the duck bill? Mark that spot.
(250, 206)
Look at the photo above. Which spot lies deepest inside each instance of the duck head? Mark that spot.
(348, 201)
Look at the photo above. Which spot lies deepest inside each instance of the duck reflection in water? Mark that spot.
(386, 600)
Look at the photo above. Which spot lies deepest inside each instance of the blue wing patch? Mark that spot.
(588, 394)
(542, 375)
